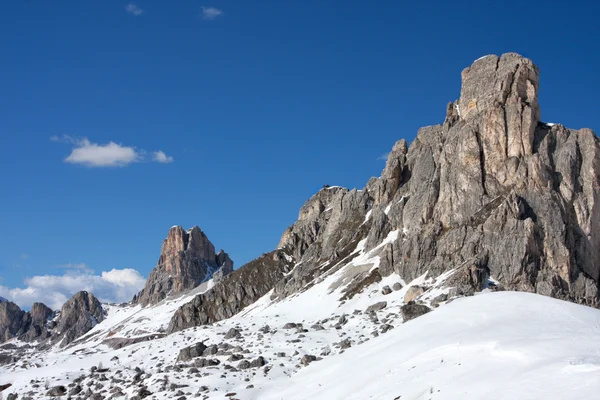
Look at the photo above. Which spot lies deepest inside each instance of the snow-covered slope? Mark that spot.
(504, 345)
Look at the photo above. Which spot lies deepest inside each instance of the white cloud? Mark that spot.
(111, 154)
(78, 266)
(161, 157)
(97, 155)
(384, 156)
(210, 12)
(133, 9)
(114, 286)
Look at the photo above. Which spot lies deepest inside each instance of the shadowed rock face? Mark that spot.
(236, 291)
(27, 326)
(186, 260)
(78, 315)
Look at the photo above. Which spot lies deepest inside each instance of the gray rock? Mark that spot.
(413, 292)
(412, 310)
(57, 391)
(187, 259)
(386, 290)
(397, 286)
(210, 350)
(307, 359)
(233, 334)
(191, 352)
(376, 307)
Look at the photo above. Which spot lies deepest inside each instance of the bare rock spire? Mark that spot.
(186, 260)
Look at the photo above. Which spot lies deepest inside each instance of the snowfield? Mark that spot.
(494, 345)
(503, 345)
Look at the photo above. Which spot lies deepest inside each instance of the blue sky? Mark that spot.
(119, 120)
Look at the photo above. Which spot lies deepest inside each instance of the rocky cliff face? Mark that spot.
(187, 259)
(236, 291)
(78, 315)
(493, 190)
(27, 326)
(493, 187)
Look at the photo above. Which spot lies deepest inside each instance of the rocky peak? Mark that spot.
(492, 187)
(27, 326)
(187, 259)
(12, 319)
(78, 315)
(40, 313)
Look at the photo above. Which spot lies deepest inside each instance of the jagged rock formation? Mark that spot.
(237, 290)
(78, 315)
(187, 259)
(492, 187)
(492, 191)
(27, 326)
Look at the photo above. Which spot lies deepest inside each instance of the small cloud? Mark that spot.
(91, 154)
(97, 155)
(210, 13)
(161, 157)
(384, 156)
(77, 266)
(133, 10)
(24, 256)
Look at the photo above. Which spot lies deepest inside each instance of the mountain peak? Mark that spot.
(187, 259)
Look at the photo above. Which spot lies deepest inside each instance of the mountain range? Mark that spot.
(412, 287)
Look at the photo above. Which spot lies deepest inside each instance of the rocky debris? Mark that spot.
(187, 259)
(57, 391)
(412, 310)
(413, 292)
(119, 343)
(191, 352)
(236, 291)
(76, 390)
(78, 315)
(376, 307)
(290, 325)
(206, 362)
(386, 290)
(210, 350)
(307, 359)
(233, 334)
(317, 327)
(256, 363)
(397, 286)
(360, 282)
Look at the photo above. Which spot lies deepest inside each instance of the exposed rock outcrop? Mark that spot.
(492, 187)
(186, 260)
(78, 315)
(237, 290)
(27, 326)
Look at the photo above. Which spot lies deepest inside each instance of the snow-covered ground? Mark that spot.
(503, 345)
